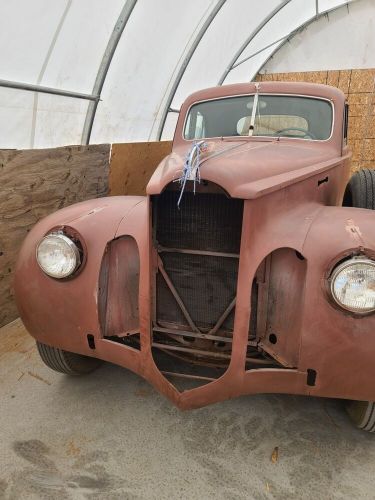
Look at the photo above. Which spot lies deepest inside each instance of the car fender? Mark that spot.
(336, 343)
(63, 312)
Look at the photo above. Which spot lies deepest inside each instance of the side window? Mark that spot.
(346, 120)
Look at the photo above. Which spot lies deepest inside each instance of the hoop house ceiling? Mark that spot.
(77, 71)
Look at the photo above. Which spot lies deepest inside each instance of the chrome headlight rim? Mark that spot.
(74, 245)
(339, 267)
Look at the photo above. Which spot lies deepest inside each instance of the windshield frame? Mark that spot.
(269, 137)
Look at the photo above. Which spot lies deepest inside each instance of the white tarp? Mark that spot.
(60, 44)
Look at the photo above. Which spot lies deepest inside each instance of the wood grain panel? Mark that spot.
(35, 183)
(132, 165)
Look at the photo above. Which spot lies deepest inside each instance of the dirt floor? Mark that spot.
(109, 435)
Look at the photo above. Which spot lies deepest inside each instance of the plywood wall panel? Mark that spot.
(362, 81)
(344, 81)
(132, 165)
(333, 78)
(34, 183)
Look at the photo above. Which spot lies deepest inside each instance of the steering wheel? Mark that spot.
(297, 129)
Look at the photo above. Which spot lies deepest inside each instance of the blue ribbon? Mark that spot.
(191, 169)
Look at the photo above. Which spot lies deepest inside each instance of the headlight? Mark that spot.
(57, 255)
(353, 285)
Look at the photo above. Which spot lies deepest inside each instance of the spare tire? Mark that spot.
(360, 191)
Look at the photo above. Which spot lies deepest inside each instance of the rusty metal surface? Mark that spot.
(285, 296)
(290, 220)
(119, 288)
(284, 160)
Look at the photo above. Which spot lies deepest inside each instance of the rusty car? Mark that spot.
(248, 267)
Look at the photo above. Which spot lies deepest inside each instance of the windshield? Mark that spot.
(265, 115)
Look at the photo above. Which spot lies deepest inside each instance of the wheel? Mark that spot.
(66, 362)
(360, 191)
(362, 414)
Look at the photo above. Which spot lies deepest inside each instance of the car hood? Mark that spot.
(249, 169)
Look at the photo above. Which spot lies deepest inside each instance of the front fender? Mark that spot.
(338, 345)
(63, 312)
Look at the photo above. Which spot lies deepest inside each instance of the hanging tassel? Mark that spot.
(191, 169)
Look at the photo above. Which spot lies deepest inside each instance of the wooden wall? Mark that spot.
(34, 183)
(359, 88)
(132, 165)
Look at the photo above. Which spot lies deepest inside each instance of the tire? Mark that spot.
(360, 191)
(362, 414)
(66, 362)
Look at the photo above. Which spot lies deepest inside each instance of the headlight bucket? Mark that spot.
(352, 285)
(58, 255)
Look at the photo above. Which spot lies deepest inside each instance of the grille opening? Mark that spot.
(198, 248)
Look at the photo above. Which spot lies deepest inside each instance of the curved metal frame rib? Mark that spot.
(104, 67)
(287, 38)
(257, 30)
(185, 64)
(41, 89)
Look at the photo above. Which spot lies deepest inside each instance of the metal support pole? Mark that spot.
(104, 67)
(302, 27)
(251, 37)
(30, 87)
(185, 63)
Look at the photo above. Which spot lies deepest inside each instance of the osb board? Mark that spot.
(359, 88)
(132, 165)
(34, 183)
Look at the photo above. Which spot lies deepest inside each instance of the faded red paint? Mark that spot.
(285, 208)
